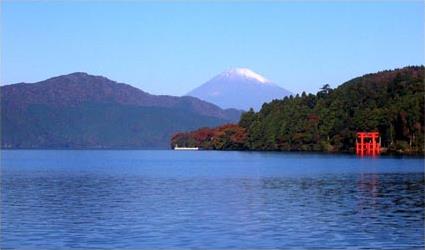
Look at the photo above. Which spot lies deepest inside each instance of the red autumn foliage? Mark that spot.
(212, 138)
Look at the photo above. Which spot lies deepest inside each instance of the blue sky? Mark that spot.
(171, 47)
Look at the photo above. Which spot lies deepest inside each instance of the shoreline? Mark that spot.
(394, 154)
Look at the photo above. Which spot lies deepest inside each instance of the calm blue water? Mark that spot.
(168, 199)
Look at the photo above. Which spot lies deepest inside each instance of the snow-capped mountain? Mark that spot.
(239, 88)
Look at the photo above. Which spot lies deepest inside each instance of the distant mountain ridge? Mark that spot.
(79, 110)
(75, 88)
(239, 88)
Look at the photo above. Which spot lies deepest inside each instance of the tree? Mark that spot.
(247, 118)
(324, 90)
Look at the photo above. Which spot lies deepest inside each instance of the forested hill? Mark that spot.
(391, 102)
(79, 110)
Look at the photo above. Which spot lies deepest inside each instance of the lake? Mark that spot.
(168, 199)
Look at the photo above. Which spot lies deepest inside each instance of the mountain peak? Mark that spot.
(239, 88)
(78, 74)
(245, 73)
(81, 78)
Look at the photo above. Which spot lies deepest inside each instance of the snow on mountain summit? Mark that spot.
(246, 73)
(239, 88)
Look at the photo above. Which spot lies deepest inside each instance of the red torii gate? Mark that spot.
(367, 143)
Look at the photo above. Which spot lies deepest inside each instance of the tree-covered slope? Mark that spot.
(391, 102)
(84, 111)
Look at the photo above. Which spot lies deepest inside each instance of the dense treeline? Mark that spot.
(391, 102)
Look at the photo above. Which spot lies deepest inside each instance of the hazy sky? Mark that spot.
(172, 47)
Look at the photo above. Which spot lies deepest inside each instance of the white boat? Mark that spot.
(185, 148)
